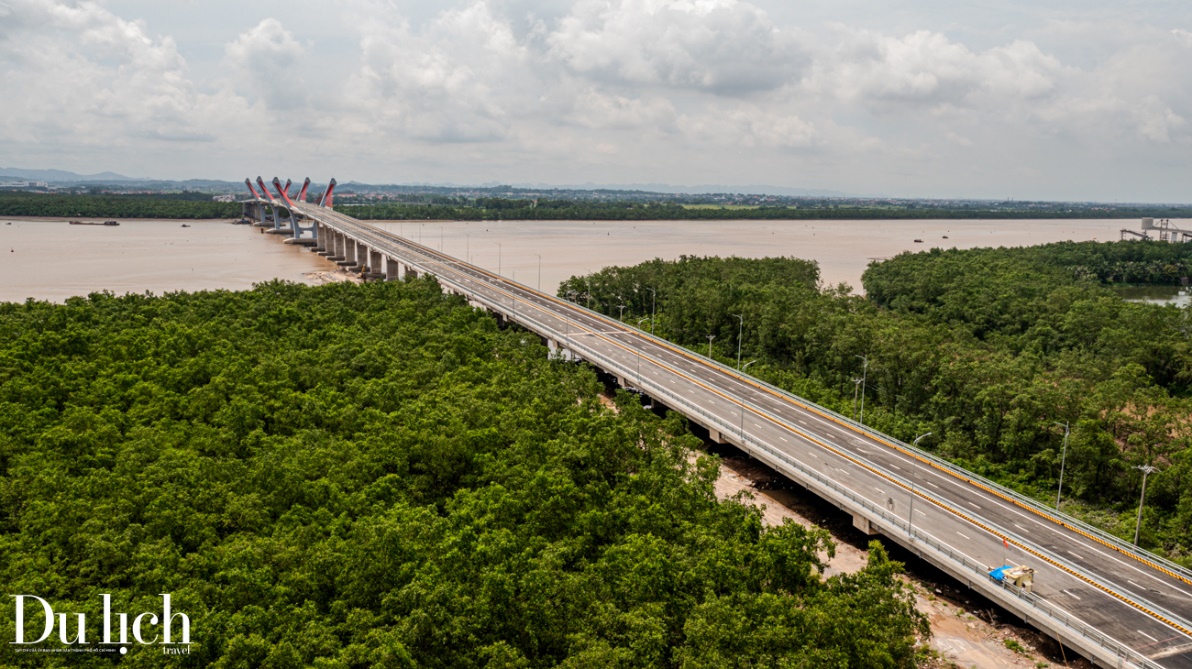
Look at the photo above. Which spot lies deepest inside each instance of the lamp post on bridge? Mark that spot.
(740, 329)
(864, 374)
(653, 307)
(539, 271)
(498, 258)
(910, 523)
(710, 338)
(1063, 461)
(1146, 470)
(638, 350)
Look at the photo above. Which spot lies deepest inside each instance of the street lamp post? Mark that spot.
(639, 355)
(498, 259)
(589, 293)
(747, 365)
(710, 338)
(1146, 470)
(1063, 461)
(864, 373)
(653, 307)
(539, 271)
(740, 329)
(910, 523)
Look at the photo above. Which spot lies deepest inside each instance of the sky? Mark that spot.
(1087, 100)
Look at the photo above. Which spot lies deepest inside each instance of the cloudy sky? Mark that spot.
(1047, 99)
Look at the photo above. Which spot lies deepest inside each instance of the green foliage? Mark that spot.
(167, 205)
(494, 208)
(360, 476)
(986, 348)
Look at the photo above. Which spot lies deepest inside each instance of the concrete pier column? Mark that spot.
(376, 269)
(349, 253)
(332, 252)
(361, 254)
(392, 269)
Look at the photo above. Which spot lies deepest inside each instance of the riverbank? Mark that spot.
(46, 260)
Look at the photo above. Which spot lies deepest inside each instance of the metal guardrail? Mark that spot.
(979, 570)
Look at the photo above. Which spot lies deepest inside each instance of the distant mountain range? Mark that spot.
(64, 176)
(58, 176)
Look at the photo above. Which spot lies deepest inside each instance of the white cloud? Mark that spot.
(597, 90)
(456, 79)
(722, 46)
(928, 68)
(78, 72)
(266, 60)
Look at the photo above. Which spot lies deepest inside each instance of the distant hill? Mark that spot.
(58, 176)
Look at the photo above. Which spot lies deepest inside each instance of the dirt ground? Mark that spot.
(967, 631)
(333, 276)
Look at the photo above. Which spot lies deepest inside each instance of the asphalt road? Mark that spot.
(1109, 589)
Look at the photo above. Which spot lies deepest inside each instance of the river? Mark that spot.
(51, 260)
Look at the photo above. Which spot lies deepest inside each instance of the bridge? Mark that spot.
(1118, 605)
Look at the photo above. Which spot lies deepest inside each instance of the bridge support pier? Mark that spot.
(375, 269)
(556, 350)
(263, 220)
(361, 255)
(277, 222)
(335, 246)
(320, 245)
(304, 235)
(392, 269)
(349, 253)
(862, 523)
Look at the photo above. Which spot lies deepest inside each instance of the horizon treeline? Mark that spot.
(377, 476)
(985, 348)
(198, 205)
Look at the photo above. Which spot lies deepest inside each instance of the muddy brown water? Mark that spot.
(51, 260)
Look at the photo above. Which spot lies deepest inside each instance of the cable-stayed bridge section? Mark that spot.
(1118, 605)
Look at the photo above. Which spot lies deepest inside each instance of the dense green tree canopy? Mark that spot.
(166, 205)
(377, 476)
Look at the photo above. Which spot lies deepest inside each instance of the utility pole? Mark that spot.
(653, 307)
(1145, 469)
(740, 329)
(864, 373)
(910, 523)
(1063, 461)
